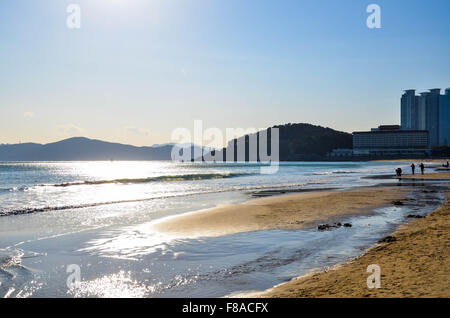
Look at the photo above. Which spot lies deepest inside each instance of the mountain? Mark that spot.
(305, 140)
(80, 148)
(296, 141)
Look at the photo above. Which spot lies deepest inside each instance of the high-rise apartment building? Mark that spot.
(429, 111)
(444, 118)
(409, 110)
(425, 123)
(422, 111)
(432, 116)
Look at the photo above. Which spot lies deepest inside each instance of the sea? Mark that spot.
(82, 229)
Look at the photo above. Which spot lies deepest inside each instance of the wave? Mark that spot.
(27, 210)
(181, 177)
(344, 171)
(13, 189)
(334, 172)
(12, 257)
(8, 260)
(66, 207)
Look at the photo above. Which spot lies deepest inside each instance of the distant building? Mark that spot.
(429, 111)
(444, 118)
(339, 153)
(425, 123)
(390, 141)
(386, 127)
(422, 111)
(432, 116)
(409, 110)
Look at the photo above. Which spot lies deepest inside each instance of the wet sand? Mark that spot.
(437, 161)
(415, 263)
(428, 176)
(294, 211)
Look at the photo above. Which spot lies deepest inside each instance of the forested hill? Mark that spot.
(297, 142)
(303, 140)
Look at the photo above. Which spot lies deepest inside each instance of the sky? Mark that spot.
(136, 70)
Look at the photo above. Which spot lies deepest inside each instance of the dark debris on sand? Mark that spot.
(388, 239)
(327, 227)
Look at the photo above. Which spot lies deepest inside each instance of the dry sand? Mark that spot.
(295, 211)
(416, 264)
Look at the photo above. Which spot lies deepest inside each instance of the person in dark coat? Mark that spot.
(422, 167)
(413, 168)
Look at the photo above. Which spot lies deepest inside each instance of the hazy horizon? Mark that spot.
(205, 144)
(136, 69)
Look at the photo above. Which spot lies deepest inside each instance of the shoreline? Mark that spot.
(414, 262)
(407, 238)
(438, 176)
(439, 161)
(435, 176)
(302, 210)
(295, 247)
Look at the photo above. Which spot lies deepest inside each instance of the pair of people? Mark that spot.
(446, 165)
(413, 168)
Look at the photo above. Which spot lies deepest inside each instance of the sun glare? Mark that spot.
(125, 9)
(120, 5)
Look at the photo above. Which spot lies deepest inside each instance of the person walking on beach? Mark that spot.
(413, 168)
(399, 172)
(422, 167)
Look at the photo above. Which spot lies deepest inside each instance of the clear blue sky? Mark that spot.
(137, 69)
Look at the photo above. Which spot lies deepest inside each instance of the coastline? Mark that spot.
(437, 161)
(414, 262)
(276, 235)
(281, 212)
(437, 176)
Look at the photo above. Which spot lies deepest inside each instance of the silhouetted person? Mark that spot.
(413, 168)
(422, 167)
(399, 172)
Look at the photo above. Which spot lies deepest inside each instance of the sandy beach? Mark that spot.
(415, 263)
(435, 161)
(294, 211)
(429, 176)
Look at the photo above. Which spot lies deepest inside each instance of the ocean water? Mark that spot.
(96, 216)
